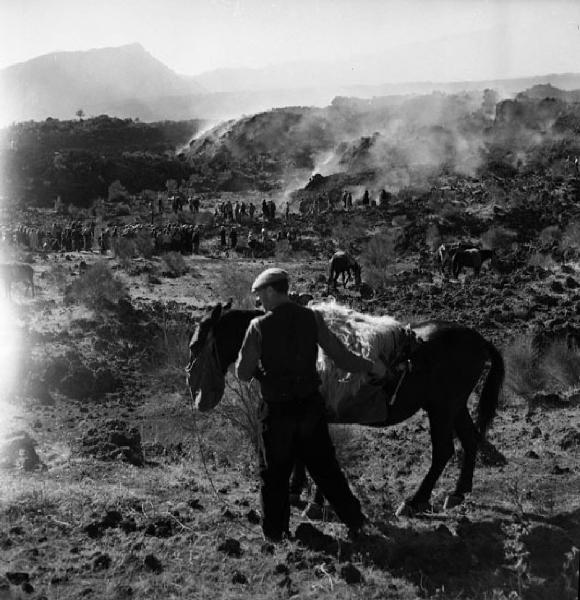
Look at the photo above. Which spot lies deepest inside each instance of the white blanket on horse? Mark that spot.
(349, 397)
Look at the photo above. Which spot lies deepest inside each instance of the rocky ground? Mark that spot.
(111, 487)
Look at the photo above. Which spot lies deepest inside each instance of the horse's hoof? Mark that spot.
(411, 509)
(453, 500)
(313, 511)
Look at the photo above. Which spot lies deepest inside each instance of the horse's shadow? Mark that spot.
(468, 556)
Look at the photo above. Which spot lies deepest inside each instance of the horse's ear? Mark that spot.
(228, 305)
(216, 312)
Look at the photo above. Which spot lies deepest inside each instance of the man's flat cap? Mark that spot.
(268, 277)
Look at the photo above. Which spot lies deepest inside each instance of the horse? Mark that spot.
(343, 264)
(446, 366)
(472, 257)
(445, 253)
(14, 273)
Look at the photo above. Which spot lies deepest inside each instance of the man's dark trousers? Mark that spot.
(299, 430)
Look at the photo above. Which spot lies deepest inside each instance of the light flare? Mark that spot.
(10, 364)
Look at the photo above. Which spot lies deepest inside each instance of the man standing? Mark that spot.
(233, 238)
(280, 350)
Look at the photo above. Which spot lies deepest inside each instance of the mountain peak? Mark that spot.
(96, 80)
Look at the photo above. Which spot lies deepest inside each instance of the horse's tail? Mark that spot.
(489, 398)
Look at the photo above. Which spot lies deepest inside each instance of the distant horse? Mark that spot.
(446, 367)
(343, 264)
(472, 257)
(445, 253)
(14, 273)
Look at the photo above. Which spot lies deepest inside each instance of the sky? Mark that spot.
(438, 39)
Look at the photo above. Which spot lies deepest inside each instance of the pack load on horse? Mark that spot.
(438, 375)
(15, 273)
(342, 263)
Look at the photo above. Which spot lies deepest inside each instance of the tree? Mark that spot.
(80, 114)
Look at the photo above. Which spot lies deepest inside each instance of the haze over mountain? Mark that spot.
(59, 84)
(128, 82)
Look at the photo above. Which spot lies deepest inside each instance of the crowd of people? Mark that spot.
(236, 224)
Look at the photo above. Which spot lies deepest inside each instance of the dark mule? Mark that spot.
(472, 257)
(343, 264)
(446, 368)
(17, 272)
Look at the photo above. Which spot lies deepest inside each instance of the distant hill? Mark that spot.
(128, 82)
(59, 84)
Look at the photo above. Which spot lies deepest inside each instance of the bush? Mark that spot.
(433, 237)
(561, 365)
(522, 374)
(376, 258)
(550, 234)
(528, 371)
(545, 261)
(240, 408)
(571, 237)
(174, 263)
(144, 244)
(237, 284)
(498, 237)
(96, 287)
(123, 248)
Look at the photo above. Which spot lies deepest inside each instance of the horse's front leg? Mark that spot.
(441, 452)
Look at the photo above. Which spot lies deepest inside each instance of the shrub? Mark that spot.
(550, 234)
(498, 237)
(123, 247)
(433, 237)
(522, 374)
(571, 237)
(144, 244)
(174, 263)
(171, 351)
(376, 258)
(240, 408)
(237, 284)
(545, 261)
(561, 364)
(96, 287)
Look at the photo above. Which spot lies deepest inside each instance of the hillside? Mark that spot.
(392, 142)
(78, 160)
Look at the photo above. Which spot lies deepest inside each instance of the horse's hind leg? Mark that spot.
(469, 438)
(442, 451)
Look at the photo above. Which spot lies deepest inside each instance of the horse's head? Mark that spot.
(214, 346)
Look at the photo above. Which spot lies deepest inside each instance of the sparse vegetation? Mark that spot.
(237, 284)
(530, 371)
(97, 287)
(174, 263)
(376, 258)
